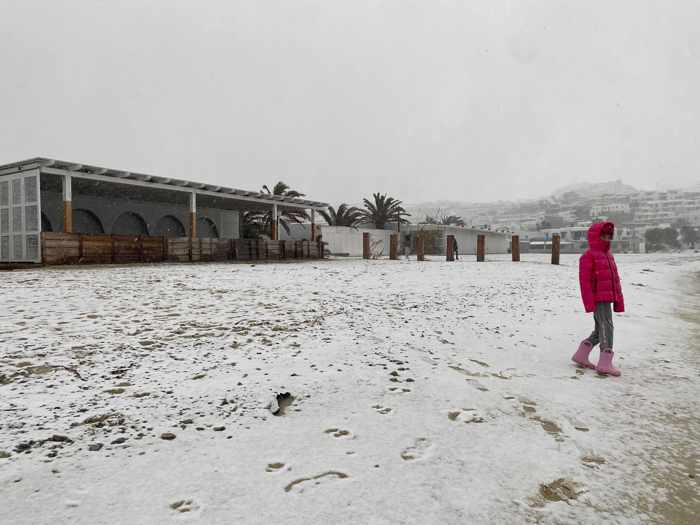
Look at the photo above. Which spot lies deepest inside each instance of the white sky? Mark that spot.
(461, 100)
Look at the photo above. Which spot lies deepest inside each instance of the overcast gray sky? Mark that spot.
(464, 100)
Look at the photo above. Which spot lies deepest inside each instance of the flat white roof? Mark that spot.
(59, 167)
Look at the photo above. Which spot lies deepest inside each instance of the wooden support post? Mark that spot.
(481, 248)
(365, 245)
(67, 216)
(450, 250)
(515, 248)
(394, 246)
(320, 250)
(556, 247)
(420, 248)
(67, 204)
(139, 244)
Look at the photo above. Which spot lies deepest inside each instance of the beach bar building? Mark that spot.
(58, 211)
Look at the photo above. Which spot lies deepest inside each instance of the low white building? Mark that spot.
(610, 207)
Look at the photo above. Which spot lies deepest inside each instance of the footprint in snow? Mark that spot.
(397, 390)
(528, 406)
(469, 415)
(299, 485)
(183, 505)
(552, 428)
(274, 467)
(419, 450)
(338, 433)
(592, 460)
(561, 489)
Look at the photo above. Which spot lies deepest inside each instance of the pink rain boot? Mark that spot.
(581, 355)
(605, 366)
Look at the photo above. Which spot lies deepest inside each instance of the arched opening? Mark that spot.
(206, 229)
(170, 227)
(84, 221)
(45, 223)
(129, 223)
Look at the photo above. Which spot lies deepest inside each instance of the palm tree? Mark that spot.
(453, 220)
(444, 219)
(344, 216)
(282, 189)
(255, 222)
(384, 209)
(251, 225)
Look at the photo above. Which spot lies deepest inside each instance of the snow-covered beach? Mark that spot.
(423, 393)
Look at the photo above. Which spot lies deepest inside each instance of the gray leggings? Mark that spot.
(604, 329)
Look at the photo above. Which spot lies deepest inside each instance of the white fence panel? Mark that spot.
(20, 217)
(348, 241)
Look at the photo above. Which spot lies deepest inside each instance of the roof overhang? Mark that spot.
(97, 173)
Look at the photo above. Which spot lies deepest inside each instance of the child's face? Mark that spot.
(606, 237)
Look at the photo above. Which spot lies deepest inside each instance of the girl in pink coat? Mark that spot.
(601, 293)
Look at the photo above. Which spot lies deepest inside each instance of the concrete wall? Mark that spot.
(108, 210)
(348, 241)
(344, 240)
(466, 239)
(297, 232)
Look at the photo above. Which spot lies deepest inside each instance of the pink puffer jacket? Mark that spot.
(597, 270)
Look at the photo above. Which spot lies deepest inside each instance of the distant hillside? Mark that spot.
(590, 189)
(489, 212)
(597, 188)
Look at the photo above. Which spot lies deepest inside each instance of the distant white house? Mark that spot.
(609, 207)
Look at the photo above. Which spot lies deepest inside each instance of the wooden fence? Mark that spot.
(72, 248)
